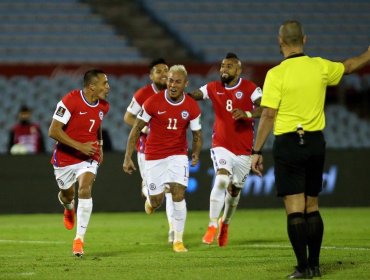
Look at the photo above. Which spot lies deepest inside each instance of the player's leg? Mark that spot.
(179, 215)
(315, 224)
(169, 213)
(66, 179)
(241, 169)
(178, 178)
(156, 177)
(315, 232)
(290, 183)
(86, 174)
(141, 164)
(222, 163)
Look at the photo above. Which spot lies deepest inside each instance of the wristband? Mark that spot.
(249, 114)
(100, 142)
(254, 152)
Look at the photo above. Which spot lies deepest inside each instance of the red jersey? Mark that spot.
(168, 123)
(135, 107)
(82, 121)
(233, 135)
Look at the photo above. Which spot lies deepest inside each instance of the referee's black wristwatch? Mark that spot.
(254, 152)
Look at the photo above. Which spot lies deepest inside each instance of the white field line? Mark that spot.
(323, 247)
(249, 246)
(30, 241)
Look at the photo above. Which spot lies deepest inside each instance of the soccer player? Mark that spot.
(158, 75)
(235, 103)
(77, 128)
(168, 115)
(293, 104)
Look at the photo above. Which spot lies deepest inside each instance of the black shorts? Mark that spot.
(299, 169)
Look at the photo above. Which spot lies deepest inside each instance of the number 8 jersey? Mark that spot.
(81, 122)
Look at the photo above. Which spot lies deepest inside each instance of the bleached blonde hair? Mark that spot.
(179, 68)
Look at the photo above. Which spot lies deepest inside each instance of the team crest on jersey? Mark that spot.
(101, 115)
(239, 94)
(222, 161)
(185, 114)
(60, 111)
(152, 186)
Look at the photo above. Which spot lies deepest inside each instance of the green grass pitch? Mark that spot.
(134, 246)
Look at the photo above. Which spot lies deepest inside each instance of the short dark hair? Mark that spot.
(156, 61)
(24, 108)
(90, 75)
(231, 55)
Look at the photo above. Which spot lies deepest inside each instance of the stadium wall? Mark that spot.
(28, 185)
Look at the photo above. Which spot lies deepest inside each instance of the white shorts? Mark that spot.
(172, 169)
(238, 166)
(141, 164)
(66, 176)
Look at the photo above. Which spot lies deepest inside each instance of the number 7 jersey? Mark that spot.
(81, 122)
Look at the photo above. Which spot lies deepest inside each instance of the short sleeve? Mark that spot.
(271, 90)
(62, 114)
(134, 107)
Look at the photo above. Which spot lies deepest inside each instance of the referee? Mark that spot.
(293, 103)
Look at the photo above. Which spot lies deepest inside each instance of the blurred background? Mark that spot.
(47, 45)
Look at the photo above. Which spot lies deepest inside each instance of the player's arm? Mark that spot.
(57, 133)
(128, 165)
(196, 94)
(100, 143)
(196, 128)
(255, 113)
(355, 63)
(265, 126)
(129, 118)
(196, 146)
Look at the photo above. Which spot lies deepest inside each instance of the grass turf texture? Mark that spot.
(134, 246)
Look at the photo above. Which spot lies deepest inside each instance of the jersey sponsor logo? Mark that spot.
(219, 93)
(152, 186)
(60, 112)
(83, 113)
(238, 94)
(185, 114)
(101, 115)
(161, 112)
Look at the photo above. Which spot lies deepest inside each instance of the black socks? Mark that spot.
(315, 232)
(297, 232)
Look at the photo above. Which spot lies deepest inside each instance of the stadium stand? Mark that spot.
(336, 29)
(52, 31)
(344, 129)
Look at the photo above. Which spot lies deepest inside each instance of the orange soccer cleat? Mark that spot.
(222, 237)
(78, 249)
(209, 236)
(69, 219)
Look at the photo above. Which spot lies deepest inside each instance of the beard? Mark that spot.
(227, 79)
(160, 86)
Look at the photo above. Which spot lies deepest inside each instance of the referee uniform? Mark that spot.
(296, 88)
(293, 106)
